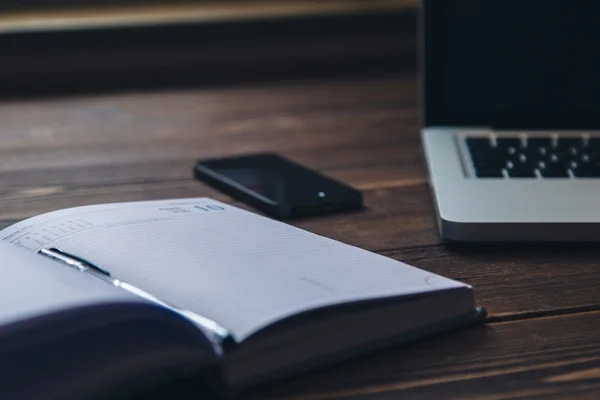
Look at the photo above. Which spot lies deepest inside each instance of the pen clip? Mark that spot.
(72, 260)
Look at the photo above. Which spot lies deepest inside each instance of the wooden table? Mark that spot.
(544, 301)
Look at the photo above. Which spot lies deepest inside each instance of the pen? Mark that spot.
(221, 334)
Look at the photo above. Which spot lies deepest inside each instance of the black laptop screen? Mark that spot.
(512, 63)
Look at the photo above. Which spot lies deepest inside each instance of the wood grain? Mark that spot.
(518, 282)
(200, 42)
(87, 150)
(538, 358)
(543, 302)
(80, 16)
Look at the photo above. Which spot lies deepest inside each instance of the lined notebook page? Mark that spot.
(240, 269)
(33, 286)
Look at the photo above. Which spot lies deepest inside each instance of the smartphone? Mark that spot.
(277, 186)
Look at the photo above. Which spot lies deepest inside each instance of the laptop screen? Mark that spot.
(515, 64)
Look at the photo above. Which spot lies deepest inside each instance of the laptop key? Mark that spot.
(488, 164)
(508, 145)
(570, 147)
(478, 143)
(508, 141)
(586, 169)
(489, 173)
(521, 158)
(587, 173)
(538, 148)
(486, 160)
(593, 147)
(481, 148)
(518, 169)
(539, 142)
(552, 170)
(525, 173)
(594, 143)
(566, 141)
(557, 172)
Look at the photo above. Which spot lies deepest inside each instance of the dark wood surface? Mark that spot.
(201, 41)
(541, 340)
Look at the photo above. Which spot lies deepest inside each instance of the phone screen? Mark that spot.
(278, 181)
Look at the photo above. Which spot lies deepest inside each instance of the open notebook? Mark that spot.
(198, 286)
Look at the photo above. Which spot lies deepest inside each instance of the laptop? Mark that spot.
(511, 118)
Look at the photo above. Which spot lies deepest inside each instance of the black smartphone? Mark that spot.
(277, 186)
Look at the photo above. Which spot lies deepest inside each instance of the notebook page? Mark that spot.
(240, 269)
(33, 286)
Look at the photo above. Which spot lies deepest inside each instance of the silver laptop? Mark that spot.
(511, 118)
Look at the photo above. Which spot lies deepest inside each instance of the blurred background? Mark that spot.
(72, 45)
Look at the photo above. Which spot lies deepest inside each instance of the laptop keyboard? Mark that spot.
(535, 157)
